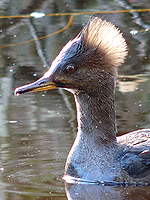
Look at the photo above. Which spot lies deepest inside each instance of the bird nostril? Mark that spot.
(42, 82)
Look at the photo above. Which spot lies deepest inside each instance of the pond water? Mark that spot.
(37, 130)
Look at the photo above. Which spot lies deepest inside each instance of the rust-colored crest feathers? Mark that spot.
(107, 39)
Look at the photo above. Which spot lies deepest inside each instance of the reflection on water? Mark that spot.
(37, 130)
(80, 192)
(33, 155)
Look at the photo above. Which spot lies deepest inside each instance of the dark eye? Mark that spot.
(70, 69)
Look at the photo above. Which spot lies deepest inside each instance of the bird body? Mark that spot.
(87, 66)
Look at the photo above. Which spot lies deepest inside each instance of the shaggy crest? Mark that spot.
(107, 40)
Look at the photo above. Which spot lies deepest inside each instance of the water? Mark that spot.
(38, 129)
(34, 151)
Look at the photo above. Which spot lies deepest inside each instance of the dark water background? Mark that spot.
(37, 130)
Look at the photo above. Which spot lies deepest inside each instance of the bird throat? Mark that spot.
(96, 116)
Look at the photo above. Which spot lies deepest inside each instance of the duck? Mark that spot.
(87, 66)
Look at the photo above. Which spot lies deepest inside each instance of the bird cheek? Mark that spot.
(62, 79)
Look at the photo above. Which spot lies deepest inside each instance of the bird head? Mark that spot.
(86, 62)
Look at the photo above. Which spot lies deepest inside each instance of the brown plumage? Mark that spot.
(107, 40)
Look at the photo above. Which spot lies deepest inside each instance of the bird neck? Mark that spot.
(96, 115)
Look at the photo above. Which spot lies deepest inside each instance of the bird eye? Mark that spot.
(70, 69)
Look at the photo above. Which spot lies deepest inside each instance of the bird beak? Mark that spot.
(41, 84)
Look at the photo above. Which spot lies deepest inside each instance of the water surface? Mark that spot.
(37, 130)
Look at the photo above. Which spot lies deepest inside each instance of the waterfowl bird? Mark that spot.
(87, 67)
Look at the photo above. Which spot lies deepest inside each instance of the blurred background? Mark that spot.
(37, 130)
